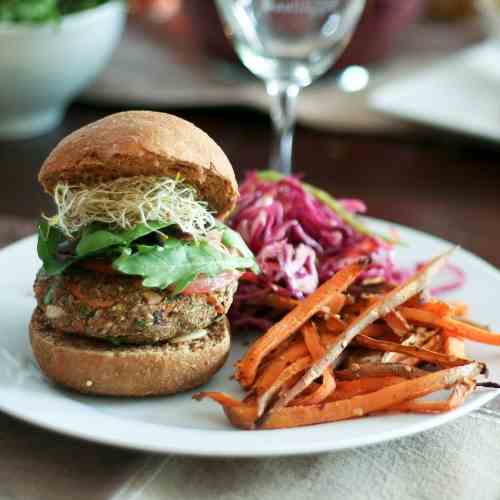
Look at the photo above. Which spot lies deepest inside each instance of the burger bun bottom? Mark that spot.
(97, 367)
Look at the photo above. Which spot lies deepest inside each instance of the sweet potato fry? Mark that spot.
(244, 414)
(297, 349)
(467, 331)
(454, 346)
(291, 370)
(316, 350)
(379, 309)
(416, 339)
(335, 324)
(397, 324)
(351, 388)
(456, 399)
(451, 326)
(358, 406)
(326, 389)
(380, 370)
(437, 307)
(269, 374)
(220, 397)
(421, 316)
(459, 308)
(417, 352)
(312, 340)
(246, 369)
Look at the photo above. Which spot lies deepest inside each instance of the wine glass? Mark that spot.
(288, 43)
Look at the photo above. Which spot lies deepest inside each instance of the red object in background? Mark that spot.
(197, 24)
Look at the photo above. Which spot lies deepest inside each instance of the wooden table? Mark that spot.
(435, 183)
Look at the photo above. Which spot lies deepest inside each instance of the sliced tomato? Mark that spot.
(206, 285)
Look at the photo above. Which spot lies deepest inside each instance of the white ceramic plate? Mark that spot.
(459, 93)
(182, 426)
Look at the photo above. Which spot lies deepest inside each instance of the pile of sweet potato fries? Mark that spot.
(336, 356)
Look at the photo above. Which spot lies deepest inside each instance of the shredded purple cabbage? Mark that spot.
(299, 243)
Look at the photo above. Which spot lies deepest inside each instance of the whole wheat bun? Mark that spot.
(145, 143)
(95, 367)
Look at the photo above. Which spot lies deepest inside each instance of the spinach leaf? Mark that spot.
(178, 263)
(233, 239)
(48, 240)
(95, 239)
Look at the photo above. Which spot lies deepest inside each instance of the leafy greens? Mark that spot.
(40, 11)
(174, 263)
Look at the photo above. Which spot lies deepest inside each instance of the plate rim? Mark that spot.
(88, 433)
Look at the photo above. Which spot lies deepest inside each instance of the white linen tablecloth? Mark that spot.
(458, 461)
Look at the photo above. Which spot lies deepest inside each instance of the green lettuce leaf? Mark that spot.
(233, 239)
(95, 239)
(48, 240)
(178, 263)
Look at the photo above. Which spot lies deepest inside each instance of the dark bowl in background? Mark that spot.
(197, 25)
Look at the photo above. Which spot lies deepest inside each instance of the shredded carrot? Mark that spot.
(246, 369)
(76, 291)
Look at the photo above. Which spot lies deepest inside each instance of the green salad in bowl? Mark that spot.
(40, 11)
(51, 51)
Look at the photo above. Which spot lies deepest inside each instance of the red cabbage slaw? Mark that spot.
(299, 243)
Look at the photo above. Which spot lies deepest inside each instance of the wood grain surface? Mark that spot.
(430, 181)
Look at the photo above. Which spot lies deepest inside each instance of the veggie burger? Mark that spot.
(139, 270)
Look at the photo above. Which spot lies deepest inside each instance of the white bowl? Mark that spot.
(42, 67)
(490, 16)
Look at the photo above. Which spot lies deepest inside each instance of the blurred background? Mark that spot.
(408, 118)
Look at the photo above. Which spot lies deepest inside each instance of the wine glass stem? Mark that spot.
(283, 102)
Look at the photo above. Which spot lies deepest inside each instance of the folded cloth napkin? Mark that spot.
(457, 461)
